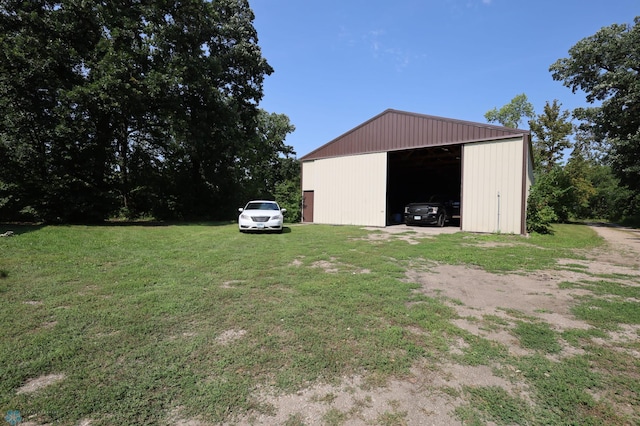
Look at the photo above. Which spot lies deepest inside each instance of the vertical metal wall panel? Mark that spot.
(308, 175)
(351, 190)
(492, 182)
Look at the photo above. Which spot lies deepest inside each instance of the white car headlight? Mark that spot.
(434, 209)
(276, 217)
(244, 216)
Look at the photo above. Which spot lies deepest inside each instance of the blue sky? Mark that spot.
(338, 63)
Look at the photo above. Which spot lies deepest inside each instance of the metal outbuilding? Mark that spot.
(367, 175)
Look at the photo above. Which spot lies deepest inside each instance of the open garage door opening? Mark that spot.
(418, 174)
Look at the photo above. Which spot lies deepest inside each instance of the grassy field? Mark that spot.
(138, 320)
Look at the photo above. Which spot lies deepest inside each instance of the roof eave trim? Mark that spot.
(309, 156)
(514, 132)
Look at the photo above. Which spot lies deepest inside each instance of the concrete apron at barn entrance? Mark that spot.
(426, 230)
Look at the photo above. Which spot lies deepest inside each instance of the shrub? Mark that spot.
(289, 197)
(540, 215)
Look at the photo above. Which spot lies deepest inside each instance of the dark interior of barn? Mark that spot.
(417, 174)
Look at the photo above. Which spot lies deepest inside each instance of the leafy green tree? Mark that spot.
(605, 66)
(610, 199)
(289, 196)
(149, 108)
(210, 67)
(511, 114)
(553, 187)
(597, 192)
(117, 79)
(567, 189)
(540, 214)
(562, 194)
(551, 131)
(578, 170)
(553, 198)
(48, 172)
(269, 161)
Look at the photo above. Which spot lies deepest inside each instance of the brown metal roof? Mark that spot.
(394, 130)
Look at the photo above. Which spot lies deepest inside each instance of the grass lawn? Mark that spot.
(137, 321)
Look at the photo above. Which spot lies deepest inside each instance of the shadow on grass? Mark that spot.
(19, 228)
(285, 230)
(598, 224)
(158, 223)
(23, 228)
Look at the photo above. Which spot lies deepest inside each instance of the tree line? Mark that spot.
(601, 177)
(135, 108)
(140, 108)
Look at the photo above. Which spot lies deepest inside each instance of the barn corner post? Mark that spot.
(527, 179)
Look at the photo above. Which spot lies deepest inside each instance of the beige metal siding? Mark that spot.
(492, 186)
(350, 190)
(308, 175)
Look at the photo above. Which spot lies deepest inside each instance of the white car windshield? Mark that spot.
(262, 206)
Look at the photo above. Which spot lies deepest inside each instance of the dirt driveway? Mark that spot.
(426, 396)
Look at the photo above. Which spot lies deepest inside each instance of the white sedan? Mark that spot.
(261, 215)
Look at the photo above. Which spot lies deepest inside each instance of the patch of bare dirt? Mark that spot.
(475, 293)
(49, 324)
(411, 234)
(332, 266)
(425, 397)
(230, 336)
(626, 334)
(428, 396)
(598, 265)
(622, 249)
(34, 385)
(231, 284)
(328, 266)
(382, 237)
(297, 261)
(490, 244)
(177, 418)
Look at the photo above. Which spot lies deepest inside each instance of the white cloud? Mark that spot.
(379, 47)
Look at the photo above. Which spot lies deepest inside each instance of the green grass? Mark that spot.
(607, 314)
(537, 336)
(561, 389)
(133, 316)
(603, 288)
(561, 393)
(610, 304)
(496, 404)
(481, 351)
(514, 253)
